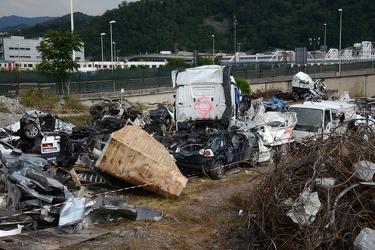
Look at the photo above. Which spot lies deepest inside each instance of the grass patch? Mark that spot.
(73, 104)
(38, 99)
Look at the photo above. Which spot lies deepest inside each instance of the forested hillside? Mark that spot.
(148, 26)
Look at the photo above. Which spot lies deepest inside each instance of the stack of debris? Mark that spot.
(322, 197)
(39, 196)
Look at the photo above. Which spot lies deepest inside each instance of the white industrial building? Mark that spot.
(16, 51)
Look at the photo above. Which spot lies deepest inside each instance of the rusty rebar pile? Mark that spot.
(347, 204)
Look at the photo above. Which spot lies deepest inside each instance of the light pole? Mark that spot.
(72, 26)
(101, 39)
(315, 41)
(18, 56)
(235, 36)
(213, 49)
(114, 48)
(325, 36)
(110, 28)
(340, 10)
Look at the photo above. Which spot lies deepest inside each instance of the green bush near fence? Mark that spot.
(38, 99)
(72, 104)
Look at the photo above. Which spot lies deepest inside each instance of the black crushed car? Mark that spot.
(215, 153)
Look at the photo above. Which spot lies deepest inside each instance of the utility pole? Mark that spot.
(235, 36)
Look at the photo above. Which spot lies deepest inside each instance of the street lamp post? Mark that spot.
(72, 26)
(314, 41)
(213, 49)
(325, 36)
(114, 49)
(101, 39)
(340, 10)
(18, 56)
(110, 28)
(235, 36)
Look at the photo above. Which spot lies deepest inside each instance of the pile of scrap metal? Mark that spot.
(114, 108)
(28, 132)
(320, 197)
(122, 156)
(155, 121)
(303, 87)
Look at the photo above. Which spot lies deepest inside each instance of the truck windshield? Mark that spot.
(308, 119)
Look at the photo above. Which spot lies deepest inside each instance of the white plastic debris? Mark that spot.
(16, 231)
(325, 182)
(364, 170)
(240, 213)
(305, 208)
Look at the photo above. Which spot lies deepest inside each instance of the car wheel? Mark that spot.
(254, 158)
(32, 133)
(96, 111)
(218, 171)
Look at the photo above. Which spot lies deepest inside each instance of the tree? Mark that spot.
(57, 54)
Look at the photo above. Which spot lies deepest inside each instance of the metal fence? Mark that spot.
(134, 79)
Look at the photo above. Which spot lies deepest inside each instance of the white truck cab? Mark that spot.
(207, 95)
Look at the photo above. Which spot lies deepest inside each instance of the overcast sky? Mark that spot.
(37, 8)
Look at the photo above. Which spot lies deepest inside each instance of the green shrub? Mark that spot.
(38, 99)
(243, 85)
(72, 102)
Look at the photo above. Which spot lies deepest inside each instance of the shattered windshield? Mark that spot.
(308, 118)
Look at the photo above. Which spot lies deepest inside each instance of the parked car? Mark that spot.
(214, 153)
(12, 154)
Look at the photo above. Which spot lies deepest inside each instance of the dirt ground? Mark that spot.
(206, 216)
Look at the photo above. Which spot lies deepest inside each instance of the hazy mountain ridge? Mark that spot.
(15, 22)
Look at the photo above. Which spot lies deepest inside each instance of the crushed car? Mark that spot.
(215, 153)
(27, 134)
(303, 87)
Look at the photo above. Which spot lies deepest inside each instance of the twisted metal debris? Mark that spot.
(347, 200)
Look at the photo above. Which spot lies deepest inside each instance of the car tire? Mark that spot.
(218, 171)
(254, 159)
(32, 133)
(96, 111)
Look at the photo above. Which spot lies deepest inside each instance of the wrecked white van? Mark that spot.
(320, 119)
(206, 96)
